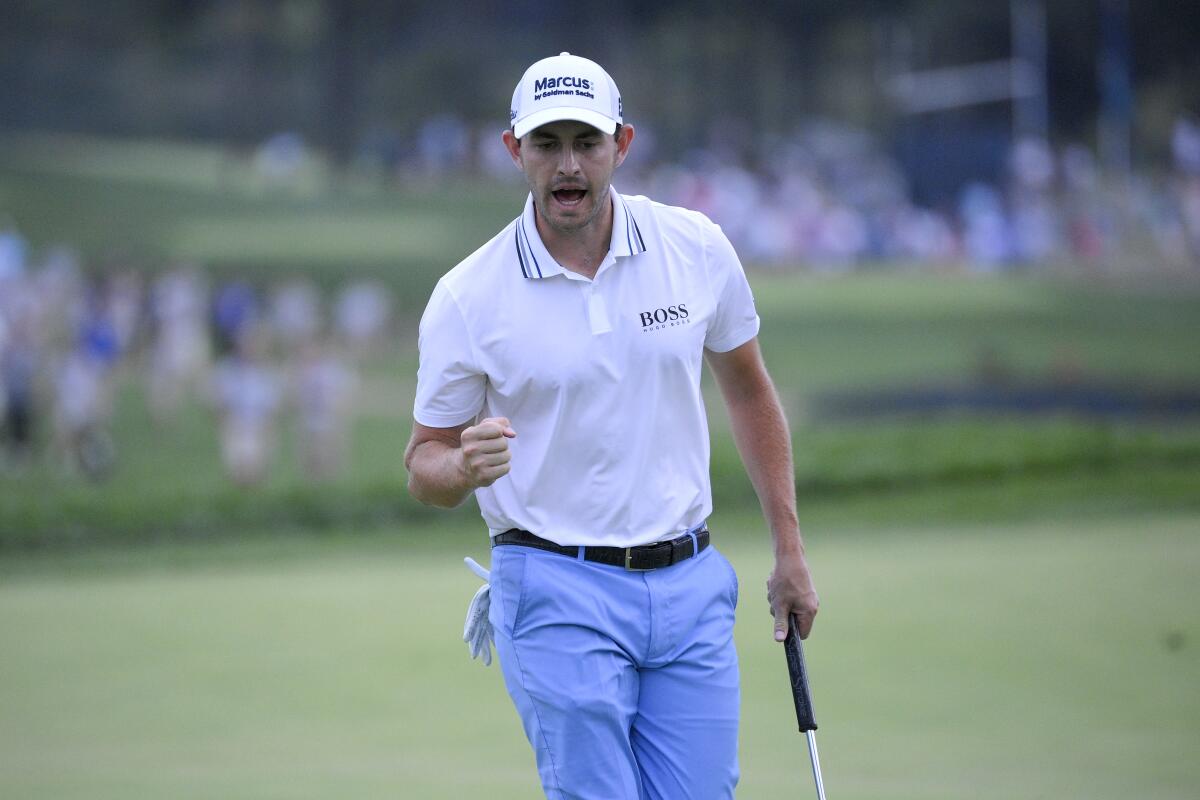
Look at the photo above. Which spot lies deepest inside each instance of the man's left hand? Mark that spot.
(790, 591)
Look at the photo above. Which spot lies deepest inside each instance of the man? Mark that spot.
(560, 382)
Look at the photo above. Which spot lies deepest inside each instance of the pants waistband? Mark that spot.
(639, 559)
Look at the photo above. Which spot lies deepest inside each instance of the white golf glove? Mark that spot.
(477, 630)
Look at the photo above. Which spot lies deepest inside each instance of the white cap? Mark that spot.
(565, 87)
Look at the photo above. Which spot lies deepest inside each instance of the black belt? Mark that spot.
(638, 559)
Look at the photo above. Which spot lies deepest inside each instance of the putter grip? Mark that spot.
(799, 676)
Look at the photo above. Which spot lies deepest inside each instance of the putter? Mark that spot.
(803, 698)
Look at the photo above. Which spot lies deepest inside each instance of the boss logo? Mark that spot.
(664, 317)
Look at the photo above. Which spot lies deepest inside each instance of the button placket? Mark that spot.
(597, 309)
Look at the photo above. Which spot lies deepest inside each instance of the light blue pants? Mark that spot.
(626, 682)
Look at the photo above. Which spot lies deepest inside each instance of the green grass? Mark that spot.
(866, 330)
(1039, 659)
(1009, 604)
(170, 484)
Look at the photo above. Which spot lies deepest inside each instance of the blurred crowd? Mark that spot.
(825, 198)
(261, 360)
(832, 201)
(830, 197)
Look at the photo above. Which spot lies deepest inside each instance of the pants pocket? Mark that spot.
(508, 587)
(733, 578)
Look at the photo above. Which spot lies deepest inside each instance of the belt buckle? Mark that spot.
(629, 562)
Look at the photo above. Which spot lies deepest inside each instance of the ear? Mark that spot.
(624, 140)
(513, 145)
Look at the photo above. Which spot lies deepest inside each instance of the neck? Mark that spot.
(582, 250)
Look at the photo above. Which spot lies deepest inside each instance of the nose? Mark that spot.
(568, 164)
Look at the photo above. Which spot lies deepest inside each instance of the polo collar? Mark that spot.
(535, 260)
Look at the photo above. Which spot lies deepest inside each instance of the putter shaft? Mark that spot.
(816, 763)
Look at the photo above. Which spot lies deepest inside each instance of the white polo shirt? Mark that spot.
(600, 378)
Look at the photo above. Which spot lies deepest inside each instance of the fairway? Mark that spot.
(1043, 660)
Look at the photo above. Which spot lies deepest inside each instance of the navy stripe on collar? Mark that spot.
(529, 250)
(632, 230)
(638, 231)
(520, 258)
(628, 228)
(531, 268)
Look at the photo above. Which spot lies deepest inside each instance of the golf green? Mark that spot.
(1041, 659)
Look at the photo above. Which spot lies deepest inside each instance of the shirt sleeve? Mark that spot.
(450, 384)
(735, 320)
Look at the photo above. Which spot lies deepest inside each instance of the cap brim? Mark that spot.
(547, 115)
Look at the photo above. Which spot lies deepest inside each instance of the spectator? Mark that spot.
(235, 309)
(246, 394)
(295, 313)
(83, 408)
(325, 387)
(180, 353)
(13, 252)
(18, 371)
(361, 314)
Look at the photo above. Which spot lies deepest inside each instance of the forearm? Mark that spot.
(760, 431)
(436, 475)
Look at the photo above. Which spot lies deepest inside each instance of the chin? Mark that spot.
(568, 225)
(571, 220)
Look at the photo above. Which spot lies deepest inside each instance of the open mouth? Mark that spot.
(569, 197)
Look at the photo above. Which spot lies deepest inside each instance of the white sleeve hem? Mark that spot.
(432, 420)
(735, 339)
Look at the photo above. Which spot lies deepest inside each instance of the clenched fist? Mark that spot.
(485, 453)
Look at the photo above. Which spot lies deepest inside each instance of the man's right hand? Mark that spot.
(484, 450)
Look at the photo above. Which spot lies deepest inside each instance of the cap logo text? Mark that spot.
(562, 84)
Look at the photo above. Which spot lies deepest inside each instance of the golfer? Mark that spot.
(559, 381)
